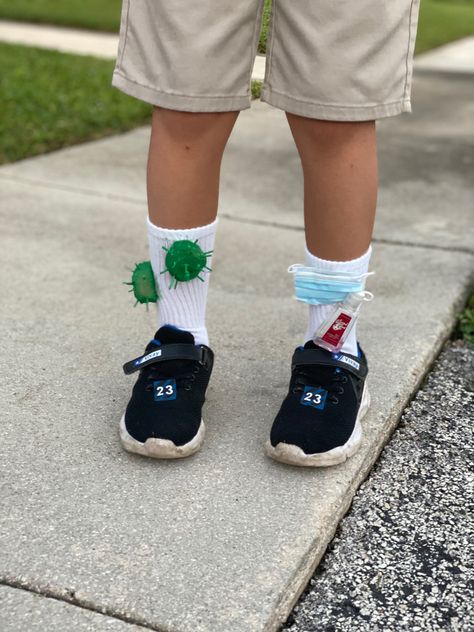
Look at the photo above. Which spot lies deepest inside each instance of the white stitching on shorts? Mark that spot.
(182, 94)
(405, 89)
(335, 105)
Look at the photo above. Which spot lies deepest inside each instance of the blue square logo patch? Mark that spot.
(164, 390)
(315, 397)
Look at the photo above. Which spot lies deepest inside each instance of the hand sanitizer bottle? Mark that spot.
(334, 330)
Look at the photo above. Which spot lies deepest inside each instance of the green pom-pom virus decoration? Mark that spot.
(143, 283)
(185, 260)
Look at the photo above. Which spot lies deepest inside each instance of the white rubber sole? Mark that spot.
(161, 448)
(294, 455)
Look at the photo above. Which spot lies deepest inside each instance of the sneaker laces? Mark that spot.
(331, 382)
(182, 374)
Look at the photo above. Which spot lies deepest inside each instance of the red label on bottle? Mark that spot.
(336, 330)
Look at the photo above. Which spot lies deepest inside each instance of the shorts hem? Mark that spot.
(175, 101)
(333, 112)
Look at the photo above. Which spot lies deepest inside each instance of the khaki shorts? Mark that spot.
(329, 59)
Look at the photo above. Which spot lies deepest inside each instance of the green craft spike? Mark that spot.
(184, 261)
(143, 283)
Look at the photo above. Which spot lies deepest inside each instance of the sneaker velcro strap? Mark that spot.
(177, 351)
(320, 356)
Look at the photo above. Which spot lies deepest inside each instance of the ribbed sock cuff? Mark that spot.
(356, 266)
(181, 233)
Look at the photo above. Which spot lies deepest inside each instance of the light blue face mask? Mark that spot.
(316, 288)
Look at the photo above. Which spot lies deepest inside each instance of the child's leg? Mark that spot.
(163, 417)
(195, 67)
(335, 71)
(184, 162)
(196, 70)
(343, 69)
(339, 161)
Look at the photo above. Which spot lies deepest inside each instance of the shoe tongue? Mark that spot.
(323, 372)
(168, 334)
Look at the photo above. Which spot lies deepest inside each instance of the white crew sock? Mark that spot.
(185, 305)
(319, 313)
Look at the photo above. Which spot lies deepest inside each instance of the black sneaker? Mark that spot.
(318, 423)
(163, 417)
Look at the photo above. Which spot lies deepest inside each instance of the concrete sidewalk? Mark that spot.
(227, 539)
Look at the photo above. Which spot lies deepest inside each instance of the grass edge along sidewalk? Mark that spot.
(51, 100)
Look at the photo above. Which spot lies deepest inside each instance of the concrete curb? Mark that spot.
(63, 39)
(456, 57)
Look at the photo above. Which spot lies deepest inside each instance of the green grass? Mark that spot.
(442, 21)
(50, 100)
(265, 24)
(101, 15)
(465, 328)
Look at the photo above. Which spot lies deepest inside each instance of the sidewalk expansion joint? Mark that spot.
(412, 244)
(379, 240)
(45, 184)
(69, 597)
(242, 220)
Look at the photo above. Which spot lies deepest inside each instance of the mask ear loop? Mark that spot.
(367, 296)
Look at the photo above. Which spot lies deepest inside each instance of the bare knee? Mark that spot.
(188, 127)
(328, 132)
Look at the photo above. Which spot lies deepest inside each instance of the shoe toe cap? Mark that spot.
(309, 432)
(142, 426)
